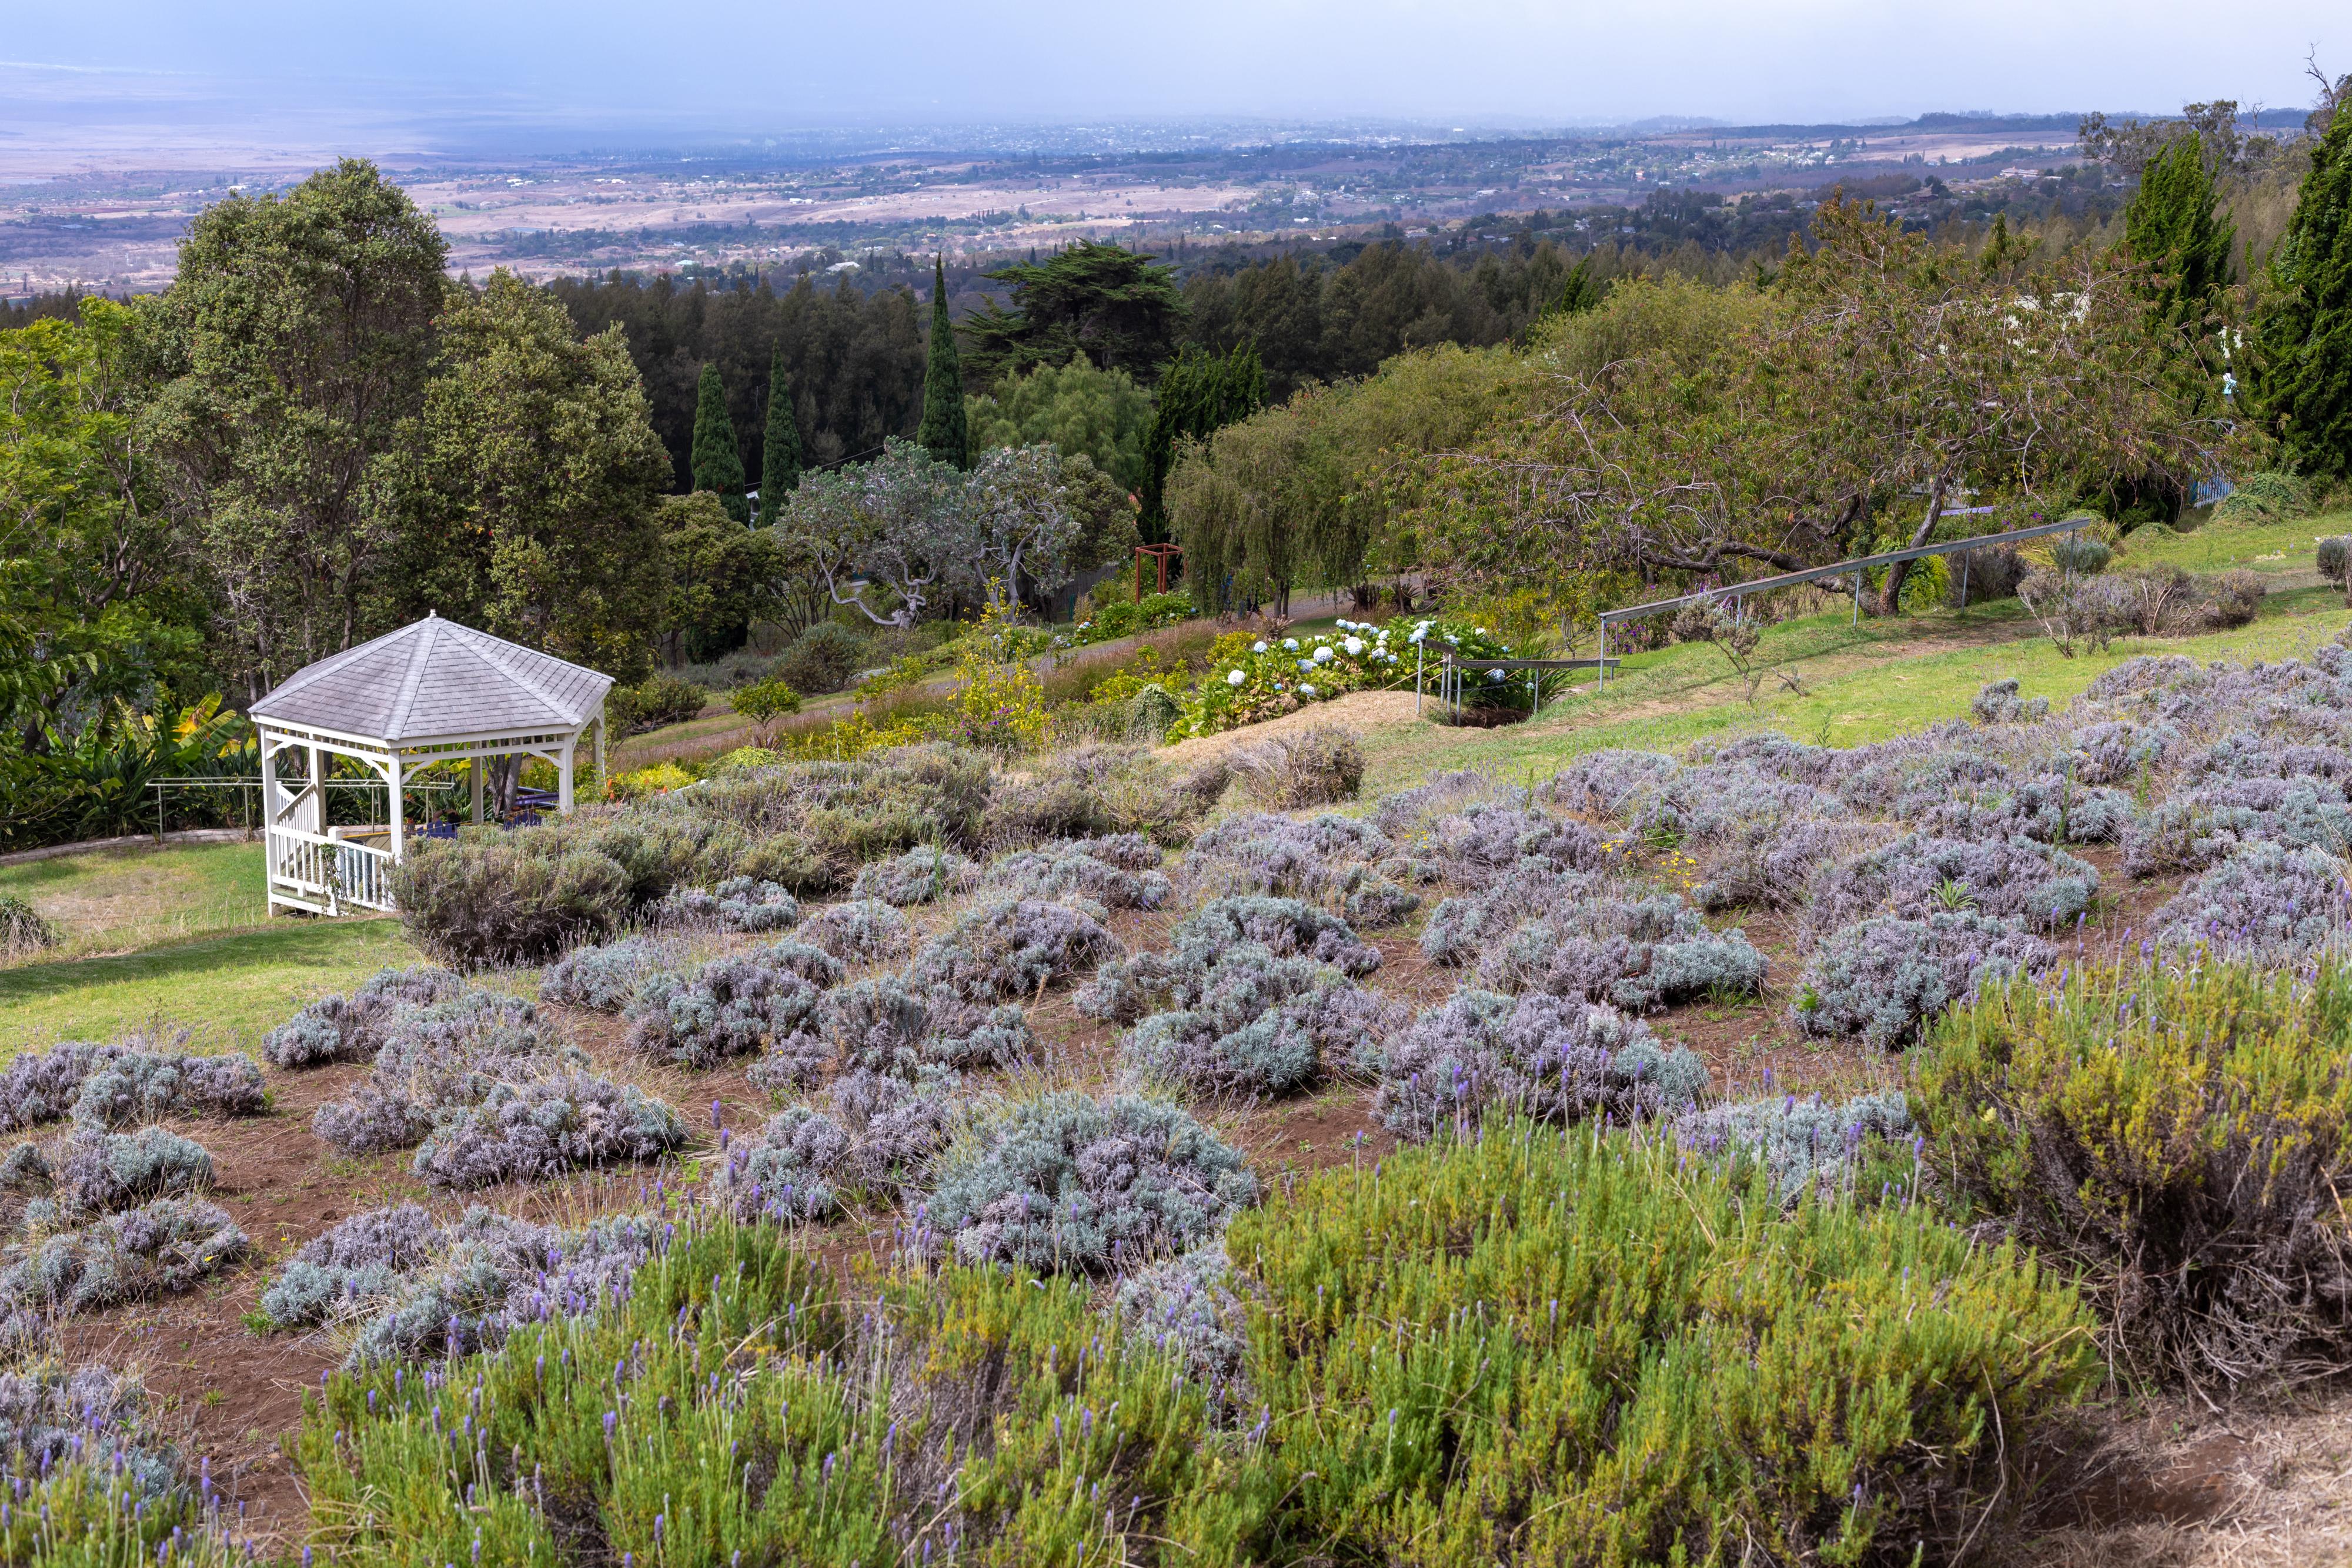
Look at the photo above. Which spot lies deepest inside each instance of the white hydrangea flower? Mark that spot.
(1291, 643)
(1304, 690)
(1323, 656)
(1355, 646)
(1236, 678)
(1259, 646)
(1306, 664)
(1495, 674)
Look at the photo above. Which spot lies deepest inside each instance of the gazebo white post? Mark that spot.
(563, 777)
(270, 814)
(474, 781)
(392, 777)
(600, 752)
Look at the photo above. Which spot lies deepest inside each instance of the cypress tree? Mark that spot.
(717, 462)
(1579, 294)
(780, 458)
(1198, 394)
(942, 432)
(2304, 360)
(2170, 227)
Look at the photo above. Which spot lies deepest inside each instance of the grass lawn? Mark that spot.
(229, 989)
(2271, 549)
(117, 900)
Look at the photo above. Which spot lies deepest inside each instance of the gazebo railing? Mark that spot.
(319, 873)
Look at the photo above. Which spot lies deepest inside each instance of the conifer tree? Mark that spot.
(1198, 394)
(2170, 227)
(1579, 293)
(780, 458)
(717, 462)
(2303, 363)
(942, 432)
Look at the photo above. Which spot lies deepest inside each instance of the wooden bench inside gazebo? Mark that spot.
(430, 694)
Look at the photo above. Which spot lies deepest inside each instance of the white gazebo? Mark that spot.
(431, 693)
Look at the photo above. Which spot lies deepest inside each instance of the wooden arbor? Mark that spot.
(1160, 555)
(433, 691)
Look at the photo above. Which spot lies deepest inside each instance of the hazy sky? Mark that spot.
(752, 66)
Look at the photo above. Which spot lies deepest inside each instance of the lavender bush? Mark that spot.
(1247, 1022)
(2267, 901)
(1054, 872)
(1285, 927)
(1997, 703)
(531, 1130)
(1337, 862)
(360, 1262)
(137, 1086)
(1013, 947)
(898, 1126)
(1805, 1145)
(2197, 828)
(104, 1173)
(1879, 980)
(737, 904)
(1064, 1182)
(496, 1273)
(858, 932)
(2049, 808)
(923, 875)
(1189, 1307)
(885, 1025)
(50, 1412)
(730, 1006)
(604, 978)
(1479, 1054)
(438, 1059)
(1918, 874)
(792, 1170)
(163, 1246)
(351, 1028)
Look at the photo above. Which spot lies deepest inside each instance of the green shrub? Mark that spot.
(764, 702)
(1579, 1349)
(2269, 496)
(2180, 1136)
(660, 700)
(823, 658)
(2082, 555)
(728, 1410)
(474, 904)
(2231, 599)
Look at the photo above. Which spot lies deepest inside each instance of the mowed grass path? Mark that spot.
(178, 937)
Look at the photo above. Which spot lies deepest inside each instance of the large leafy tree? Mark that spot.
(2303, 379)
(890, 538)
(1023, 527)
(718, 460)
(1076, 408)
(1112, 305)
(1885, 378)
(943, 433)
(722, 576)
(292, 349)
(780, 453)
(527, 488)
(93, 611)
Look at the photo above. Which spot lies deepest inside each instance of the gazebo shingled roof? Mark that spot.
(437, 678)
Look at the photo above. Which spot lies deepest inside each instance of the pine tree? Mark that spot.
(717, 462)
(942, 432)
(1198, 394)
(2170, 228)
(780, 458)
(2303, 361)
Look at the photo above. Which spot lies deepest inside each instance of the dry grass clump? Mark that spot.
(1318, 765)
